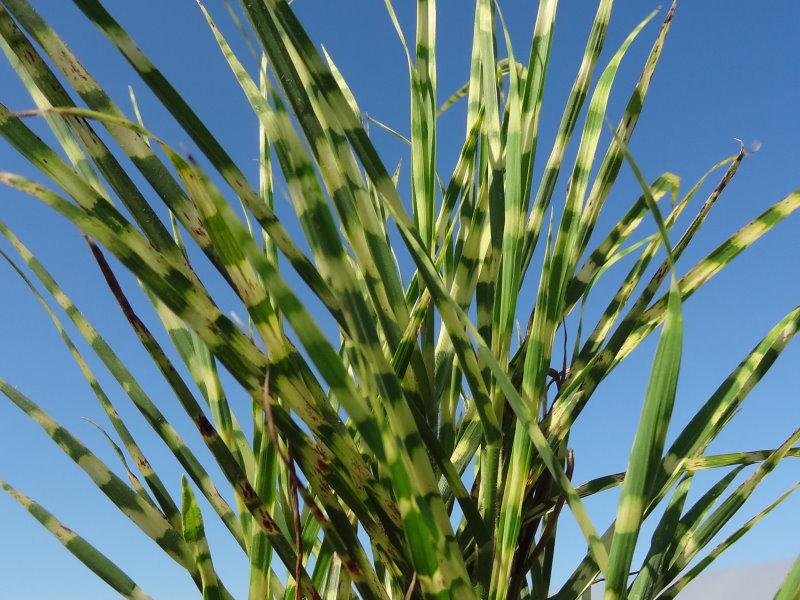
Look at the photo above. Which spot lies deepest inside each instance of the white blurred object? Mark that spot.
(752, 582)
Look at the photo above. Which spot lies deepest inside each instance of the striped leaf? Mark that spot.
(388, 403)
(79, 547)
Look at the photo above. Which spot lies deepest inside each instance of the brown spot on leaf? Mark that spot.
(269, 525)
(248, 493)
(206, 428)
(353, 568)
(322, 464)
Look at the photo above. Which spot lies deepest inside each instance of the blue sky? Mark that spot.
(728, 71)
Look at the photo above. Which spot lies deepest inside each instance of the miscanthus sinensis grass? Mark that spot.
(423, 451)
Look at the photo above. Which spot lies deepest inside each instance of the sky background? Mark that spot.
(729, 71)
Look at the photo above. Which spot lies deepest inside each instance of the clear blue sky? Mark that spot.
(729, 71)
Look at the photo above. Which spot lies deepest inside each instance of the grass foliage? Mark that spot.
(422, 450)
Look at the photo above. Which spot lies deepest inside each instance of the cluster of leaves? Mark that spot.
(363, 446)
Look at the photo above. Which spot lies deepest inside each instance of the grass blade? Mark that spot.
(80, 548)
(790, 590)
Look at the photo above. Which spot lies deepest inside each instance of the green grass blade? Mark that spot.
(617, 236)
(703, 427)
(566, 251)
(569, 118)
(718, 410)
(80, 548)
(148, 519)
(304, 189)
(547, 456)
(265, 484)
(134, 390)
(701, 534)
(203, 370)
(423, 122)
(647, 447)
(625, 338)
(195, 536)
(418, 422)
(200, 134)
(343, 183)
(57, 124)
(721, 257)
(225, 459)
(506, 293)
(716, 461)
(674, 589)
(612, 161)
(790, 590)
(651, 432)
(158, 489)
(653, 563)
(533, 92)
(117, 178)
